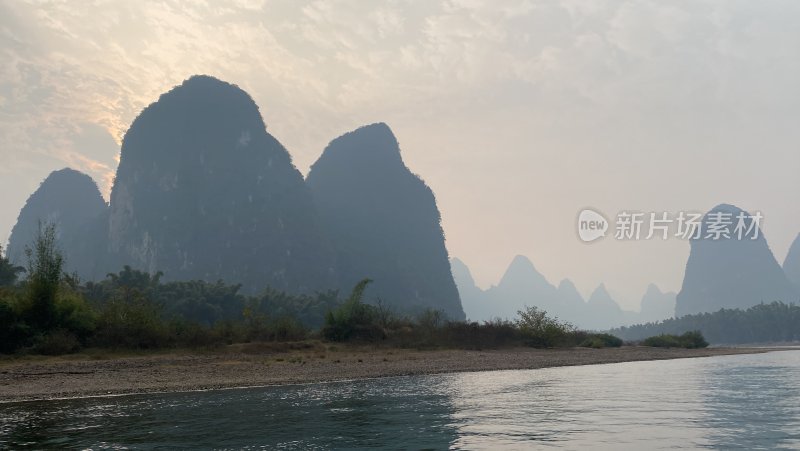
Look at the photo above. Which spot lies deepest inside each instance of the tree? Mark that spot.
(353, 319)
(131, 283)
(761, 323)
(8, 272)
(45, 265)
(541, 330)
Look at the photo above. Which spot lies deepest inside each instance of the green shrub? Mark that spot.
(57, 342)
(689, 340)
(8, 272)
(14, 333)
(287, 329)
(73, 313)
(490, 334)
(132, 323)
(259, 327)
(539, 330)
(430, 319)
(601, 341)
(353, 320)
(662, 341)
(193, 335)
(693, 340)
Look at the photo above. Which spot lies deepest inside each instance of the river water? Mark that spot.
(742, 401)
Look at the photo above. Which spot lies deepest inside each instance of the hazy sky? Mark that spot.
(518, 114)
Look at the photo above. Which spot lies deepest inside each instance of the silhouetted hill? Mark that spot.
(204, 192)
(521, 277)
(71, 201)
(603, 312)
(384, 222)
(521, 285)
(730, 273)
(656, 306)
(572, 307)
(791, 264)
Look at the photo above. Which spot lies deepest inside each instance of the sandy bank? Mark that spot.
(256, 364)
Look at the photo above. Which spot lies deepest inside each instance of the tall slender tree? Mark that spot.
(45, 270)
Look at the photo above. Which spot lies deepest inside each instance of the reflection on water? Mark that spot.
(754, 405)
(747, 401)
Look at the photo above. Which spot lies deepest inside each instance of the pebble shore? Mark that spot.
(26, 379)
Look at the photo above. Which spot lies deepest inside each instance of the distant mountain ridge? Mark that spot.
(720, 273)
(656, 306)
(522, 285)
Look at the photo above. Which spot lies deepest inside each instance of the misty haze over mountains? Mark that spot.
(567, 105)
(522, 285)
(203, 191)
(724, 273)
(416, 224)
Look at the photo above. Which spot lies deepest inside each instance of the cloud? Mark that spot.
(516, 96)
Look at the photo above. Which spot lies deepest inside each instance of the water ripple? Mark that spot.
(744, 401)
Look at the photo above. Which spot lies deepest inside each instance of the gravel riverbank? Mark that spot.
(83, 375)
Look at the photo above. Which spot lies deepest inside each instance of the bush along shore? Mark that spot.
(49, 312)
